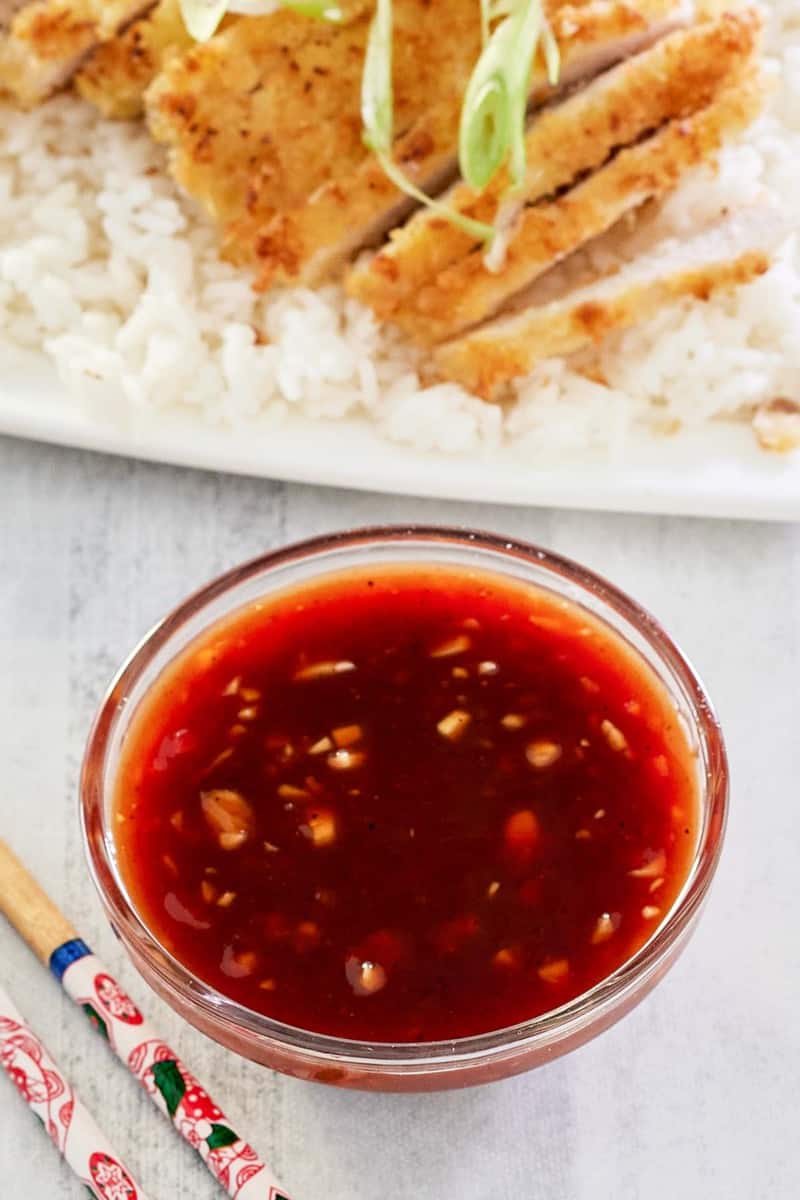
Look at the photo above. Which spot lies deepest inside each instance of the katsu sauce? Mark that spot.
(405, 804)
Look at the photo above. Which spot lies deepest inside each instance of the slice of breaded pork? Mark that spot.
(268, 111)
(117, 74)
(358, 205)
(672, 79)
(468, 291)
(725, 255)
(47, 41)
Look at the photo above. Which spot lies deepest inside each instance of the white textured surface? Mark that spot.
(694, 1095)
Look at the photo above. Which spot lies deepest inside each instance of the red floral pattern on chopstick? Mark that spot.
(197, 1118)
(52, 1098)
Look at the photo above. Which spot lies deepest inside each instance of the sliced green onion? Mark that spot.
(484, 129)
(318, 9)
(483, 142)
(377, 115)
(552, 54)
(486, 18)
(202, 18)
(377, 94)
(477, 229)
(527, 28)
(493, 115)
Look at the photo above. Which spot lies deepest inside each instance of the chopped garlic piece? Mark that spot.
(507, 957)
(322, 670)
(232, 841)
(615, 737)
(554, 972)
(651, 869)
(605, 927)
(320, 827)
(288, 791)
(543, 754)
(229, 816)
(346, 760)
(454, 724)
(365, 978)
(455, 645)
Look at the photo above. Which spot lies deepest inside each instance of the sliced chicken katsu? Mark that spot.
(117, 73)
(357, 206)
(266, 112)
(723, 256)
(468, 291)
(672, 79)
(47, 41)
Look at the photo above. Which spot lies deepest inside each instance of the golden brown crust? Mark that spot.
(48, 39)
(484, 362)
(429, 75)
(310, 241)
(467, 292)
(672, 79)
(558, 316)
(262, 113)
(118, 73)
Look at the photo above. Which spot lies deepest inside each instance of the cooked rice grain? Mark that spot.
(118, 278)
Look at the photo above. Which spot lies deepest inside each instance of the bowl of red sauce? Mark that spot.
(405, 808)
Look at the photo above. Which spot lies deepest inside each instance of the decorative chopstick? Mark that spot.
(176, 1092)
(71, 1126)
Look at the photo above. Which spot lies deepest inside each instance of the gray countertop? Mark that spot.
(693, 1095)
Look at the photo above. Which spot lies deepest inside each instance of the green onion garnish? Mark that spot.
(486, 20)
(377, 115)
(315, 8)
(492, 127)
(202, 17)
(377, 95)
(552, 54)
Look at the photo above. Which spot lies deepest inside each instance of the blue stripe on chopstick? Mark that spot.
(64, 956)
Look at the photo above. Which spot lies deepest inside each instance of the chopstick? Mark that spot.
(72, 1128)
(172, 1088)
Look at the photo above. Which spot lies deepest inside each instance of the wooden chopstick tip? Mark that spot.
(27, 907)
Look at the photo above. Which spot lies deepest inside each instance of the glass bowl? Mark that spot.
(422, 1065)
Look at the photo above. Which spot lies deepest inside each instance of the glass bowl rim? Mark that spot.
(552, 1026)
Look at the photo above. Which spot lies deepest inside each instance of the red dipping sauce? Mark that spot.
(408, 804)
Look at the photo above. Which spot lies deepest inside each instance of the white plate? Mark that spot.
(717, 472)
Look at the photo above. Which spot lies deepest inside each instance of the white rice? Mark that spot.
(105, 267)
